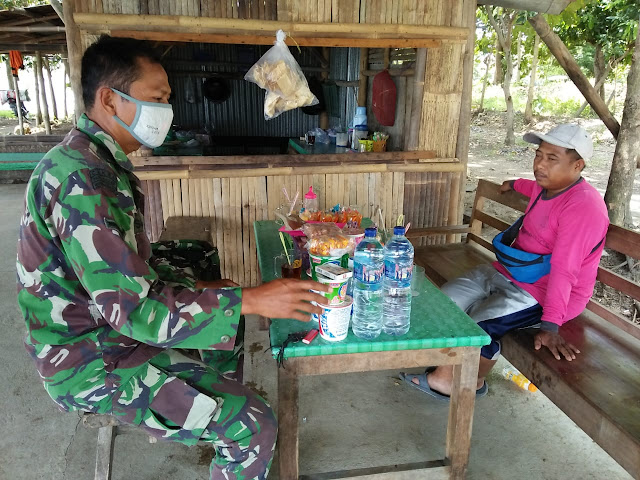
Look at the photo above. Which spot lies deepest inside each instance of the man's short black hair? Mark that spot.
(113, 62)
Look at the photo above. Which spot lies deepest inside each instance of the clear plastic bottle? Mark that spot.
(398, 266)
(510, 373)
(310, 203)
(368, 270)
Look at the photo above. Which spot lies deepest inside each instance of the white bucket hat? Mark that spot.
(567, 135)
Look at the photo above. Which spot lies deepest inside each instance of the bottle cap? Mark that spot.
(310, 194)
(399, 230)
(370, 232)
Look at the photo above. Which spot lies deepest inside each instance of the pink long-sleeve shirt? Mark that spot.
(569, 226)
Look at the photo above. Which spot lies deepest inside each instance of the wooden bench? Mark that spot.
(600, 390)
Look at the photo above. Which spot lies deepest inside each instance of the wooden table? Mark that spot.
(440, 334)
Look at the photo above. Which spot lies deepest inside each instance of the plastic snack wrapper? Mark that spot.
(312, 230)
(280, 75)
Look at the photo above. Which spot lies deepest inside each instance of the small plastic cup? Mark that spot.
(418, 278)
(288, 266)
(333, 322)
(338, 292)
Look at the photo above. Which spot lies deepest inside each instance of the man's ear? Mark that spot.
(107, 99)
(580, 164)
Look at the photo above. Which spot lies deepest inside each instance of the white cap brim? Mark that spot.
(537, 138)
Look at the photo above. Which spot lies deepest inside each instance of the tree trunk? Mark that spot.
(37, 83)
(516, 69)
(47, 67)
(7, 64)
(485, 80)
(566, 61)
(498, 76)
(528, 111)
(620, 185)
(599, 68)
(45, 105)
(503, 26)
(65, 62)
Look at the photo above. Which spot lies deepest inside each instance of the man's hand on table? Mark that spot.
(225, 283)
(556, 344)
(284, 298)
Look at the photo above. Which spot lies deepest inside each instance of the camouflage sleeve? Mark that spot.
(93, 219)
(172, 275)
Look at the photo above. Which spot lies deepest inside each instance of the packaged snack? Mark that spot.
(280, 75)
(334, 245)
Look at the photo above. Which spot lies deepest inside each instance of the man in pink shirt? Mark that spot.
(565, 225)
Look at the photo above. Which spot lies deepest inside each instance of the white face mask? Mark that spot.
(151, 123)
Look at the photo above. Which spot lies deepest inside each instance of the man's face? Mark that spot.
(151, 86)
(556, 169)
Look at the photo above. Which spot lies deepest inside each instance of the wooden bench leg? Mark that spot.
(463, 396)
(104, 452)
(288, 420)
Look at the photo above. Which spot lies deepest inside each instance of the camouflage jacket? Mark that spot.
(96, 308)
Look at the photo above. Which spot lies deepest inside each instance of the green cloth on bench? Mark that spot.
(20, 161)
(436, 322)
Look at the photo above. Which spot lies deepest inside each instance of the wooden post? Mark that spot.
(566, 60)
(74, 49)
(362, 88)
(464, 127)
(45, 105)
(37, 83)
(47, 67)
(18, 104)
(7, 65)
(65, 62)
(411, 140)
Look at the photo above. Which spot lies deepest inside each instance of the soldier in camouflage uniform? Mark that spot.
(103, 318)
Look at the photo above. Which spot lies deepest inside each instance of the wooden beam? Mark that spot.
(268, 40)
(183, 24)
(286, 160)
(187, 172)
(32, 29)
(394, 72)
(362, 84)
(32, 47)
(566, 61)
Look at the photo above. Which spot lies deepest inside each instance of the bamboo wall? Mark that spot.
(233, 204)
(426, 198)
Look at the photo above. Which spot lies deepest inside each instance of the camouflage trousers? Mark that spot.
(180, 399)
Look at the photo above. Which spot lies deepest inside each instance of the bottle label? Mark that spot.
(367, 273)
(397, 272)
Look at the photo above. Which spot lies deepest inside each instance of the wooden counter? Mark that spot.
(235, 191)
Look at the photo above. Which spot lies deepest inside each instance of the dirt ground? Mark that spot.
(489, 158)
(8, 125)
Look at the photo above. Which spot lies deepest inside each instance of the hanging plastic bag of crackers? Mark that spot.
(280, 75)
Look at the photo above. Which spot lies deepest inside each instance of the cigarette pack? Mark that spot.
(333, 271)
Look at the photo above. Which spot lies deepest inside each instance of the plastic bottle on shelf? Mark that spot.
(510, 373)
(360, 118)
(368, 270)
(398, 267)
(310, 201)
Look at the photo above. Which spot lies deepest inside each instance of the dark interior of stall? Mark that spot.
(218, 112)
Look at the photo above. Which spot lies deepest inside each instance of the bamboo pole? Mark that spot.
(65, 62)
(45, 105)
(566, 60)
(102, 22)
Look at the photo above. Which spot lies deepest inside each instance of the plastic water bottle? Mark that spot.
(519, 379)
(368, 270)
(360, 118)
(398, 267)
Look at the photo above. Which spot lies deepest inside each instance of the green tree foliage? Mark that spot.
(11, 4)
(611, 25)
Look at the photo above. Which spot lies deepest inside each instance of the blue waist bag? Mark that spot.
(525, 267)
